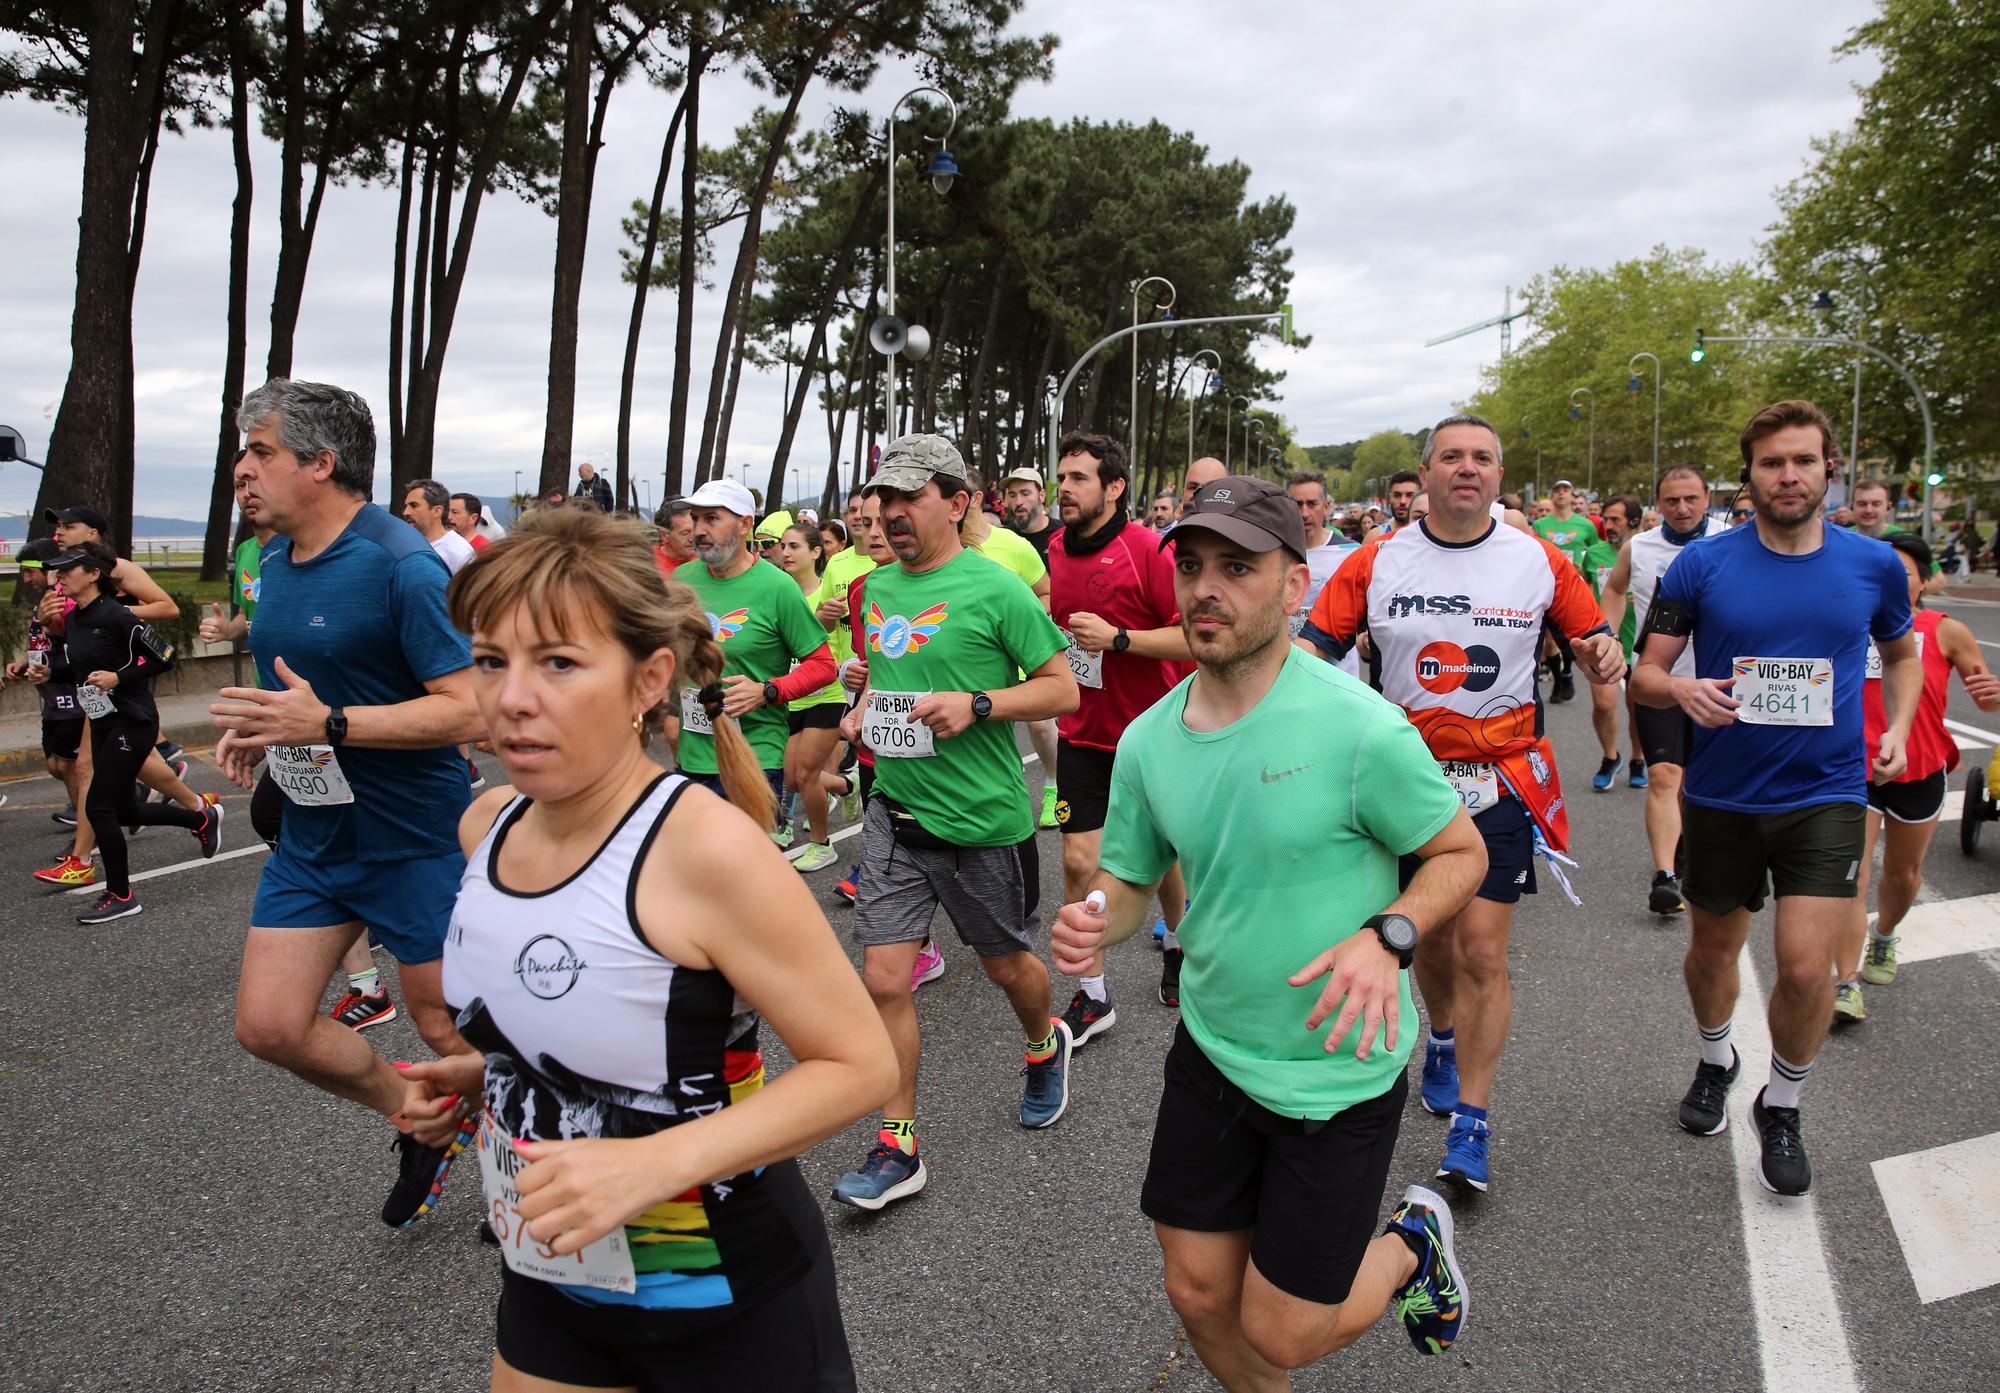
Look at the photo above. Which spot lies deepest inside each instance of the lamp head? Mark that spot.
(1822, 301)
(1575, 415)
(942, 170)
(1635, 385)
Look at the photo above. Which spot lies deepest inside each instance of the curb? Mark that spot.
(21, 763)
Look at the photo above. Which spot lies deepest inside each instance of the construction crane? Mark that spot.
(1505, 319)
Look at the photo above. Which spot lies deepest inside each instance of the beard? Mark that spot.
(718, 552)
(1245, 639)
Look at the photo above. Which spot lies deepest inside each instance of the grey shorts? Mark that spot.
(988, 892)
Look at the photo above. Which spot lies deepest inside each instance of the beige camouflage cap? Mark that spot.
(911, 461)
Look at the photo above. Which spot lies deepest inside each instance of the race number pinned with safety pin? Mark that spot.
(1783, 691)
(694, 716)
(309, 775)
(605, 1265)
(95, 701)
(886, 727)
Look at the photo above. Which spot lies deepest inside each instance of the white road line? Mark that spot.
(1946, 928)
(1988, 643)
(1983, 737)
(1944, 1204)
(196, 864)
(844, 833)
(1799, 1334)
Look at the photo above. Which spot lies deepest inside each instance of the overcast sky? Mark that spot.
(1435, 157)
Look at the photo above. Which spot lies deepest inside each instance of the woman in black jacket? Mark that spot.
(114, 676)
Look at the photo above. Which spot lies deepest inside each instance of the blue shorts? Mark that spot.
(405, 904)
(1509, 834)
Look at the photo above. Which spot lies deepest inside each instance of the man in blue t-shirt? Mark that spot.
(365, 692)
(1780, 613)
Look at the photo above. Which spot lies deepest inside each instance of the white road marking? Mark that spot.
(853, 829)
(1987, 643)
(1980, 738)
(1946, 928)
(97, 888)
(1799, 1334)
(1945, 1206)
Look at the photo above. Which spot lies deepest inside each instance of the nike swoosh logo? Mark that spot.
(1268, 777)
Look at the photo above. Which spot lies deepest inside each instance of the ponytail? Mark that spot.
(736, 763)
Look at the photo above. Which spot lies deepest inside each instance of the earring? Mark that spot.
(639, 723)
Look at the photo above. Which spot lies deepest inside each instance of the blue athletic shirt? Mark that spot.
(1748, 601)
(365, 623)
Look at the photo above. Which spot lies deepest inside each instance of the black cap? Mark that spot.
(1255, 514)
(75, 556)
(89, 517)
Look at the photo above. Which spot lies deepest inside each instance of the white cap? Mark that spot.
(726, 494)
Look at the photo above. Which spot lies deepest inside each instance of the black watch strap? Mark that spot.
(1397, 934)
(771, 694)
(336, 725)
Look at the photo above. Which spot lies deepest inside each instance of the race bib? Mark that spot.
(95, 701)
(1784, 691)
(1297, 623)
(605, 1265)
(1873, 671)
(694, 717)
(1477, 786)
(1088, 668)
(309, 775)
(886, 727)
(38, 657)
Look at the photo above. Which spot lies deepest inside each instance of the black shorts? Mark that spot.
(1509, 834)
(791, 1340)
(1665, 734)
(1917, 800)
(1808, 851)
(825, 716)
(1310, 1192)
(1084, 791)
(62, 739)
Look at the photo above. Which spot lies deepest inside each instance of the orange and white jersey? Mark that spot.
(1458, 627)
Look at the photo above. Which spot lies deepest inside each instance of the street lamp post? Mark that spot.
(1635, 385)
(1132, 418)
(1253, 426)
(942, 169)
(1227, 403)
(1590, 477)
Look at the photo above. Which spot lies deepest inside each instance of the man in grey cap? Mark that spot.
(948, 635)
(1024, 498)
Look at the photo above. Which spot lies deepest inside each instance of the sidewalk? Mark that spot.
(184, 719)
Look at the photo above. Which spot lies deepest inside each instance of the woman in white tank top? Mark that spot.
(618, 937)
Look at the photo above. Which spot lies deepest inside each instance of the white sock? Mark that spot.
(1876, 936)
(1788, 1080)
(367, 983)
(1094, 988)
(1716, 1048)
(1170, 940)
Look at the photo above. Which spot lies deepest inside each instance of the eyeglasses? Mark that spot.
(1741, 512)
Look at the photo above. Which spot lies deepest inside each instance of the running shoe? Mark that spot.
(886, 1176)
(209, 834)
(816, 857)
(1434, 1303)
(1782, 1168)
(1439, 1087)
(420, 1176)
(1878, 964)
(1465, 1153)
(473, 777)
(782, 835)
(1635, 774)
(1160, 934)
(1565, 687)
(929, 965)
(68, 871)
(1607, 773)
(67, 817)
(850, 887)
(1087, 1016)
(1847, 1007)
(1047, 820)
(172, 753)
(1705, 1108)
(1170, 975)
(109, 907)
(1665, 896)
(1046, 1093)
(358, 1012)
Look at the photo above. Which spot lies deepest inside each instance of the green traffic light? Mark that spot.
(1697, 355)
(1934, 478)
(1700, 350)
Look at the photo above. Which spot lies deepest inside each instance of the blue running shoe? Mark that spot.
(1635, 774)
(886, 1176)
(1607, 771)
(1439, 1089)
(1434, 1304)
(1047, 1091)
(1465, 1153)
(1159, 933)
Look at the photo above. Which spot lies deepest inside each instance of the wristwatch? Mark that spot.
(336, 725)
(1121, 642)
(770, 693)
(1397, 933)
(982, 706)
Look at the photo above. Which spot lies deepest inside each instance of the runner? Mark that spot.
(365, 688)
(654, 1229)
(1273, 1143)
(1874, 514)
(1605, 701)
(1420, 507)
(675, 522)
(1205, 470)
(424, 504)
(1325, 548)
(1404, 486)
(1907, 806)
(1455, 608)
(1572, 534)
(1664, 737)
(1025, 497)
(464, 516)
(813, 720)
(764, 627)
(949, 826)
(45, 667)
(1111, 591)
(1164, 508)
(114, 658)
(1781, 612)
(851, 625)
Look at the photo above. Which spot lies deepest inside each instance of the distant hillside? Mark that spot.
(15, 528)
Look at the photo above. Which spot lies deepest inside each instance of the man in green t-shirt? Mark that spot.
(761, 620)
(1287, 791)
(1598, 562)
(949, 634)
(1572, 534)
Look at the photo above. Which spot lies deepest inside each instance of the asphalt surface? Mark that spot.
(182, 1216)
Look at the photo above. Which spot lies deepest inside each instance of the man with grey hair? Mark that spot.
(424, 504)
(364, 689)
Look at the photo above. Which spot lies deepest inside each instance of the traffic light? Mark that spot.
(1934, 478)
(1700, 348)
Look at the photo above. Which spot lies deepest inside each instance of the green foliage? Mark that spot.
(1384, 453)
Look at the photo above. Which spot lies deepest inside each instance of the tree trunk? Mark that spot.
(215, 541)
(401, 466)
(572, 226)
(677, 406)
(622, 482)
(398, 299)
(735, 376)
(982, 364)
(1093, 397)
(291, 181)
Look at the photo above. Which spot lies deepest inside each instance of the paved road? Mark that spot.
(182, 1216)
